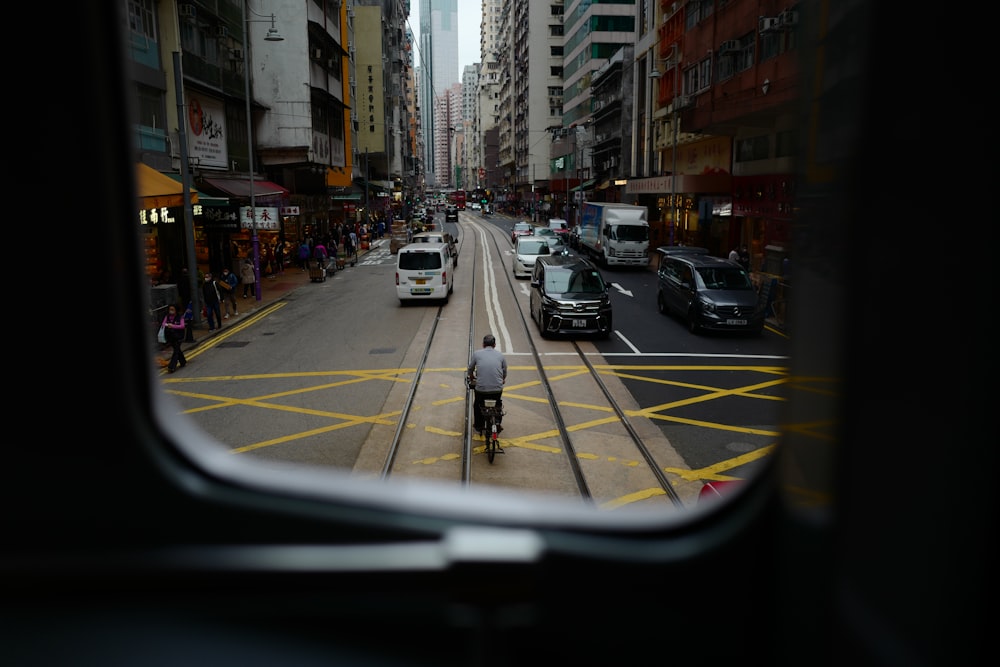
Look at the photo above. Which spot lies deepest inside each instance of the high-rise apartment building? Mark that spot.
(438, 46)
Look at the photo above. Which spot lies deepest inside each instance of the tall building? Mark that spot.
(487, 110)
(438, 47)
(470, 145)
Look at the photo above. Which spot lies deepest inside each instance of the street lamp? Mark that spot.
(272, 36)
(674, 61)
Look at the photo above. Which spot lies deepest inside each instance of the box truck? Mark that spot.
(615, 234)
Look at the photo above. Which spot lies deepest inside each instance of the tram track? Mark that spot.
(599, 461)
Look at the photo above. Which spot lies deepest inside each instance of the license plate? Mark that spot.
(421, 290)
(421, 281)
(737, 323)
(579, 324)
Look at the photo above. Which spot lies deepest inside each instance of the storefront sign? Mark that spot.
(157, 216)
(266, 217)
(290, 210)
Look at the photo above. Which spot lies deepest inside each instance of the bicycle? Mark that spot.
(491, 426)
(491, 415)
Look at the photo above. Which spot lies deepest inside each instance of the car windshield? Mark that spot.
(631, 232)
(725, 278)
(533, 248)
(411, 261)
(587, 281)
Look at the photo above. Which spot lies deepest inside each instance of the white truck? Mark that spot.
(615, 234)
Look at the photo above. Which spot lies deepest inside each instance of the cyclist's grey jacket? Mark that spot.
(492, 369)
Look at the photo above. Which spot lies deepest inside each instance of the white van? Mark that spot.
(424, 271)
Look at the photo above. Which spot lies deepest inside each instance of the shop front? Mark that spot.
(678, 215)
(161, 221)
(762, 213)
(675, 214)
(231, 234)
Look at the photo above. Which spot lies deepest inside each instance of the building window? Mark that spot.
(141, 18)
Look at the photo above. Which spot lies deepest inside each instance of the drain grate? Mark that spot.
(234, 343)
(382, 350)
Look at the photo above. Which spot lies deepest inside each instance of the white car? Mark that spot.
(424, 271)
(526, 250)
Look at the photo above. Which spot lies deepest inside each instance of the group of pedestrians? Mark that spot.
(219, 296)
(328, 247)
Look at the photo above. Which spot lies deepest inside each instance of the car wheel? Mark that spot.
(543, 325)
(692, 318)
(661, 304)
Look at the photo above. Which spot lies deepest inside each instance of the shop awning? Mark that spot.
(156, 189)
(586, 185)
(200, 197)
(240, 187)
(604, 185)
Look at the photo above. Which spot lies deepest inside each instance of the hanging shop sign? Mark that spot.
(265, 217)
(159, 216)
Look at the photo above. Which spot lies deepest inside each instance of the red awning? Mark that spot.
(240, 187)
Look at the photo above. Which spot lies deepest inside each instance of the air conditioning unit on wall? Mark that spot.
(789, 17)
(188, 11)
(767, 24)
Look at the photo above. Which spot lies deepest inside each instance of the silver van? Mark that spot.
(424, 271)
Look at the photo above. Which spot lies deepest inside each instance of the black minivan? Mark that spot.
(569, 296)
(709, 293)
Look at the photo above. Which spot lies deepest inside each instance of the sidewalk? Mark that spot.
(273, 289)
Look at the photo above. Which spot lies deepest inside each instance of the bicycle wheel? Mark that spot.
(491, 440)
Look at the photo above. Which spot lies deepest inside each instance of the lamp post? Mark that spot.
(655, 74)
(272, 36)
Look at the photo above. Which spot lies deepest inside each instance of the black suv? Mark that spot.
(709, 293)
(451, 214)
(569, 296)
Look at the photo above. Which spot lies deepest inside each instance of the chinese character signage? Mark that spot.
(266, 218)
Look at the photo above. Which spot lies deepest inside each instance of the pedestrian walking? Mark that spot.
(189, 323)
(213, 310)
(248, 278)
(304, 256)
(279, 256)
(227, 283)
(173, 328)
(320, 255)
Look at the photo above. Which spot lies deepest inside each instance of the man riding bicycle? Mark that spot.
(488, 369)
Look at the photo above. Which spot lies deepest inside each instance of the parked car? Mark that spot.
(569, 296)
(526, 250)
(522, 228)
(438, 237)
(708, 292)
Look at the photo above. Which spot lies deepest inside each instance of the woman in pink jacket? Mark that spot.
(174, 328)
